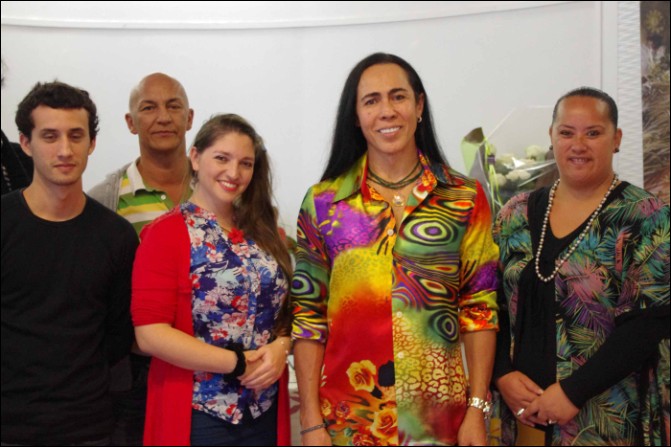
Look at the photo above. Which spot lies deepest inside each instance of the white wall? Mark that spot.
(282, 65)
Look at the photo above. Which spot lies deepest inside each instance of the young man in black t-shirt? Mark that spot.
(66, 270)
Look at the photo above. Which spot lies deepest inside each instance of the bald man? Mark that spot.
(159, 114)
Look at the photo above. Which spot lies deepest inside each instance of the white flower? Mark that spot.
(535, 152)
(518, 175)
(500, 180)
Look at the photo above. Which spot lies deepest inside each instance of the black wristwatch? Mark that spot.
(240, 364)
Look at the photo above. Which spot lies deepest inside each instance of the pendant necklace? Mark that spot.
(559, 262)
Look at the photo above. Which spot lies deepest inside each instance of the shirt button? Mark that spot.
(400, 355)
(390, 232)
(399, 314)
(162, 196)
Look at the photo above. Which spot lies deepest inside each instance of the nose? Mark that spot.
(65, 148)
(388, 110)
(234, 171)
(163, 115)
(578, 142)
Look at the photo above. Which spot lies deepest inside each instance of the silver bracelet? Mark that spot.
(314, 427)
(480, 404)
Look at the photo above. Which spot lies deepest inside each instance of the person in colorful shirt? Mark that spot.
(160, 116)
(210, 304)
(395, 265)
(586, 292)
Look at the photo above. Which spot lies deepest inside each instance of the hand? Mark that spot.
(264, 366)
(472, 430)
(317, 437)
(518, 392)
(553, 405)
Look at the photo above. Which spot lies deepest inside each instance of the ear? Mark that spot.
(130, 123)
(420, 105)
(194, 157)
(92, 146)
(618, 139)
(189, 121)
(24, 141)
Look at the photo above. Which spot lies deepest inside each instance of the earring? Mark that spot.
(419, 120)
(550, 148)
(617, 149)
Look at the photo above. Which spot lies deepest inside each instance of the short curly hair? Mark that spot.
(56, 95)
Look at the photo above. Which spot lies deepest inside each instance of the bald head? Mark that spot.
(159, 114)
(151, 80)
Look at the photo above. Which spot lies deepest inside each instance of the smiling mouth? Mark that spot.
(389, 130)
(228, 186)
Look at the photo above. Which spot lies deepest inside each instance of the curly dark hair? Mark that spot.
(56, 95)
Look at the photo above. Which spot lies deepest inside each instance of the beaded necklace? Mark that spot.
(559, 262)
(405, 181)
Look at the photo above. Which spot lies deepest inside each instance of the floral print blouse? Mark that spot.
(237, 294)
(390, 305)
(621, 266)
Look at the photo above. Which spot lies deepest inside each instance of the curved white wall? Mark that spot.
(282, 65)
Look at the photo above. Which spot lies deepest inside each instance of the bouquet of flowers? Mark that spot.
(521, 167)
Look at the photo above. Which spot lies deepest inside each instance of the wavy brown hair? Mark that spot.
(254, 211)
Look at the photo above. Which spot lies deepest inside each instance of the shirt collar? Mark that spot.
(354, 180)
(135, 180)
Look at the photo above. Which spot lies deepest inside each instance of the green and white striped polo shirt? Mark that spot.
(140, 204)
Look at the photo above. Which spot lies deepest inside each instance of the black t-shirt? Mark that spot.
(65, 320)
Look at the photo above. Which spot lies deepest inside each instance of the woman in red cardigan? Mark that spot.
(209, 301)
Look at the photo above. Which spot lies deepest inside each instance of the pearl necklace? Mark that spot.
(574, 245)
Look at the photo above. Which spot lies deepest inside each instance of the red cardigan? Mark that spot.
(162, 294)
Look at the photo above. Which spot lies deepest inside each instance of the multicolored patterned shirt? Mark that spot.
(238, 290)
(389, 305)
(622, 265)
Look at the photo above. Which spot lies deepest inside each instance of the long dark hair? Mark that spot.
(254, 211)
(349, 144)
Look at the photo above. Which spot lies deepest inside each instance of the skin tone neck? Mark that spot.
(168, 172)
(392, 167)
(566, 191)
(56, 203)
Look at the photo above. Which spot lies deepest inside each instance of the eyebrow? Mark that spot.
(51, 130)
(588, 127)
(391, 92)
(222, 152)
